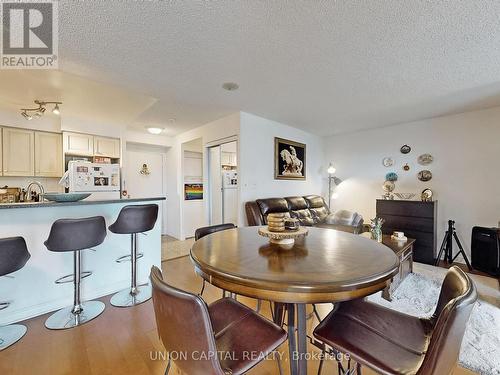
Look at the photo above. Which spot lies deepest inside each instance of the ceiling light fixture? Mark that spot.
(230, 86)
(30, 113)
(154, 130)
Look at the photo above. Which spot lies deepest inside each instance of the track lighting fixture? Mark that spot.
(30, 113)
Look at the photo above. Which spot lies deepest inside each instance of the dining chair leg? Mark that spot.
(168, 366)
(202, 288)
(358, 369)
(322, 359)
(259, 306)
(278, 361)
(315, 311)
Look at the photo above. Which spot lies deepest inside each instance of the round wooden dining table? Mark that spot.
(324, 266)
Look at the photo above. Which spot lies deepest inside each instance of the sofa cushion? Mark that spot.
(304, 216)
(296, 203)
(315, 201)
(344, 217)
(272, 205)
(319, 214)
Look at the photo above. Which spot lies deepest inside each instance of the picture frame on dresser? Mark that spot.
(417, 220)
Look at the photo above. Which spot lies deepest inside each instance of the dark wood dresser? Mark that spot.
(417, 219)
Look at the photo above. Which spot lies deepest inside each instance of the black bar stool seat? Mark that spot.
(75, 235)
(13, 256)
(134, 219)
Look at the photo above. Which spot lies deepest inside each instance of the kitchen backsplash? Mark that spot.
(49, 184)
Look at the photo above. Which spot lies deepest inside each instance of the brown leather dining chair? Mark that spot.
(223, 338)
(391, 342)
(205, 231)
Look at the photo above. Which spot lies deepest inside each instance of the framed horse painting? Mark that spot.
(289, 160)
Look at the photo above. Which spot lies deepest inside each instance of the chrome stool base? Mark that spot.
(125, 298)
(64, 318)
(11, 334)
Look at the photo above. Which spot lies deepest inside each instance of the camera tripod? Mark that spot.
(447, 247)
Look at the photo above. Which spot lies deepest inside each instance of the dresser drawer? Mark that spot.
(406, 208)
(405, 223)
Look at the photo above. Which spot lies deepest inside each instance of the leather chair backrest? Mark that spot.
(254, 216)
(76, 234)
(272, 205)
(318, 207)
(135, 219)
(204, 231)
(184, 327)
(13, 254)
(299, 209)
(449, 320)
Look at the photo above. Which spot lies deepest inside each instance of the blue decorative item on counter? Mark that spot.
(391, 176)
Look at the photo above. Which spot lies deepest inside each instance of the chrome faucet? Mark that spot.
(28, 191)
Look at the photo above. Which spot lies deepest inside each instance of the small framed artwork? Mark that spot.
(289, 160)
(193, 192)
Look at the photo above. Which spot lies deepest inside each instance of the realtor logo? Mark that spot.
(29, 35)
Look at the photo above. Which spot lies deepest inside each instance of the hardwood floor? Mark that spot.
(124, 341)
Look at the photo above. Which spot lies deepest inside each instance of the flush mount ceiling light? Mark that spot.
(230, 86)
(154, 130)
(31, 113)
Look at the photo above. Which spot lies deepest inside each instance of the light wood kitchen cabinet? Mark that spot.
(1, 153)
(78, 144)
(48, 154)
(108, 147)
(18, 152)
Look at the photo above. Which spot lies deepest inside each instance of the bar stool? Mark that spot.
(75, 235)
(13, 256)
(133, 220)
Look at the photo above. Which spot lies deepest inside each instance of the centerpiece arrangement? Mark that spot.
(282, 230)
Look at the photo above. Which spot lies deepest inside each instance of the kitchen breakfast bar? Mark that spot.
(32, 290)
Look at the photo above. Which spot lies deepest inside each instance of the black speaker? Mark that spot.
(485, 249)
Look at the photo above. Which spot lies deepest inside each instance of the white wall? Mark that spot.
(466, 178)
(256, 161)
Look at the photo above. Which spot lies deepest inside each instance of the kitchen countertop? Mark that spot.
(79, 203)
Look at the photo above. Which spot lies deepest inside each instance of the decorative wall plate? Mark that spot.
(405, 149)
(426, 195)
(424, 175)
(387, 162)
(388, 186)
(391, 176)
(406, 167)
(425, 159)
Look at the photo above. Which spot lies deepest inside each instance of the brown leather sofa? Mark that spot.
(310, 210)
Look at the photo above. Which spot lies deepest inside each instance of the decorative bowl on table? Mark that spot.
(405, 196)
(65, 197)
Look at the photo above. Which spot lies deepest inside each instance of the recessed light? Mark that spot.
(154, 130)
(230, 86)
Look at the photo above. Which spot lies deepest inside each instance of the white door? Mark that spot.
(143, 185)
(215, 186)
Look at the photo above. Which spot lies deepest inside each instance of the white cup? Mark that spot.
(398, 234)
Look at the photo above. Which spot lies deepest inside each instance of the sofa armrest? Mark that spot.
(254, 217)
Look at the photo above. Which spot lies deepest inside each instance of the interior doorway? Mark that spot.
(223, 183)
(193, 210)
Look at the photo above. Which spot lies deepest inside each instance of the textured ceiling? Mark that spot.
(323, 66)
